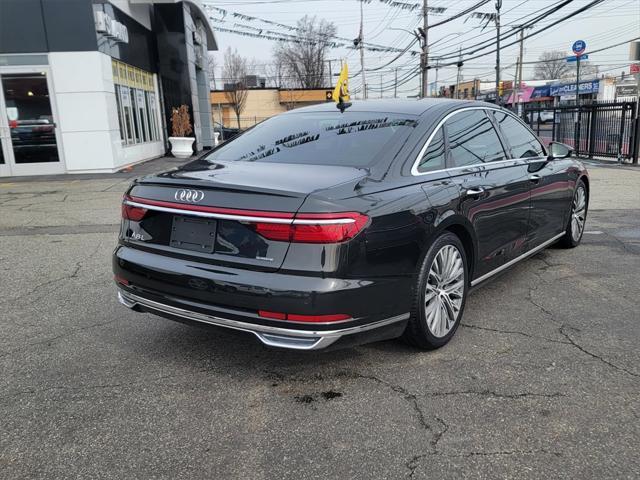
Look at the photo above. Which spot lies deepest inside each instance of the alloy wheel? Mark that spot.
(578, 213)
(444, 291)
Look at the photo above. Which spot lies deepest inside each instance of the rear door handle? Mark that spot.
(535, 178)
(474, 191)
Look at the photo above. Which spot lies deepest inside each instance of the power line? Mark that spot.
(533, 34)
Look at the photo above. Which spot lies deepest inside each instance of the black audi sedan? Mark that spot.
(321, 227)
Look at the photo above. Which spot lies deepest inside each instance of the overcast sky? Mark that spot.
(611, 22)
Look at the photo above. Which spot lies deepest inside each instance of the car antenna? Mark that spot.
(341, 91)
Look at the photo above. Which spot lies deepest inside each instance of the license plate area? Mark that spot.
(195, 234)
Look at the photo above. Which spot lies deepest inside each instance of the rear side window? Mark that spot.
(434, 156)
(472, 139)
(523, 143)
(353, 139)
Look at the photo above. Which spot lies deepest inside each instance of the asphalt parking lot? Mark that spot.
(541, 381)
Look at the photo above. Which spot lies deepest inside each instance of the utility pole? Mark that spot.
(360, 43)
(425, 49)
(516, 97)
(380, 85)
(521, 60)
(459, 65)
(498, 7)
(395, 84)
(330, 73)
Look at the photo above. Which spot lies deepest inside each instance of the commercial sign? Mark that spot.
(540, 92)
(570, 88)
(111, 28)
(634, 68)
(581, 57)
(626, 90)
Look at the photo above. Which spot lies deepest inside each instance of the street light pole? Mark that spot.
(498, 7)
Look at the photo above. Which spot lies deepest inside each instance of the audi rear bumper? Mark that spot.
(290, 338)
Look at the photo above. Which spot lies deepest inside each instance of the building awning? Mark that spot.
(525, 95)
(197, 10)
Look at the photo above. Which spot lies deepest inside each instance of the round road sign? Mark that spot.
(579, 46)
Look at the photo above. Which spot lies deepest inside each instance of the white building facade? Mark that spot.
(89, 86)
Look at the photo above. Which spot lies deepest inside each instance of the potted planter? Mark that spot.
(181, 144)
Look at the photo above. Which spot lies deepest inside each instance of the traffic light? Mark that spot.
(500, 88)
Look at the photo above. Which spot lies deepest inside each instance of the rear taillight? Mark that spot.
(294, 317)
(315, 228)
(278, 226)
(130, 212)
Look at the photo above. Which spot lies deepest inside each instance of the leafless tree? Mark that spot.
(304, 59)
(586, 70)
(234, 74)
(275, 73)
(553, 65)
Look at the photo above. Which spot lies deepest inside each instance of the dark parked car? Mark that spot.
(225, 133)
(319, 228)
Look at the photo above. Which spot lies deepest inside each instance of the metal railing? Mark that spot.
(593, 130)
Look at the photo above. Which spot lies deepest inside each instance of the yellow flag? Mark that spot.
(342, 87)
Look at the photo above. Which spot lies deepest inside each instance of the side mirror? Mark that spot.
(559, 150)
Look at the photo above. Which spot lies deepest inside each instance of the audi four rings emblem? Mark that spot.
(189, 195)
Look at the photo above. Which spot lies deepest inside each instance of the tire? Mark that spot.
(432, 295)
(577, 218)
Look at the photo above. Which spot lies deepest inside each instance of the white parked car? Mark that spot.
(542, 116)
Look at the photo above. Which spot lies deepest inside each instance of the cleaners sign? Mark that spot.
(570, 88)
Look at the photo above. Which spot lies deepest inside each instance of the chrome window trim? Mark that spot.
(414, 169)
(242, 218)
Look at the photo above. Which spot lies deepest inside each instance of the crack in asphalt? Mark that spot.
(68, 333)
(593, 355)
(408, 396)
(413, 463)
(73, 274)
(101, 386)
(512, 332)
(499, 452)
(625, 246)
(492, 393)
(530, 299)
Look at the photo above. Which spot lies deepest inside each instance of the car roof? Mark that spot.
(406, 106)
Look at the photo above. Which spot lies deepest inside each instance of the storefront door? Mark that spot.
(29, 133)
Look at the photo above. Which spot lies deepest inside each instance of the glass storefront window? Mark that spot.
(30, 118)
(135, 98)
(141, 105)
(125, 102)
(120, 122)
(153, 120)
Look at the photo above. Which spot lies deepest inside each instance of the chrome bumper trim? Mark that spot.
(272, 336)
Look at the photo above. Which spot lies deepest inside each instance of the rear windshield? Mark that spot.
(352, 139)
